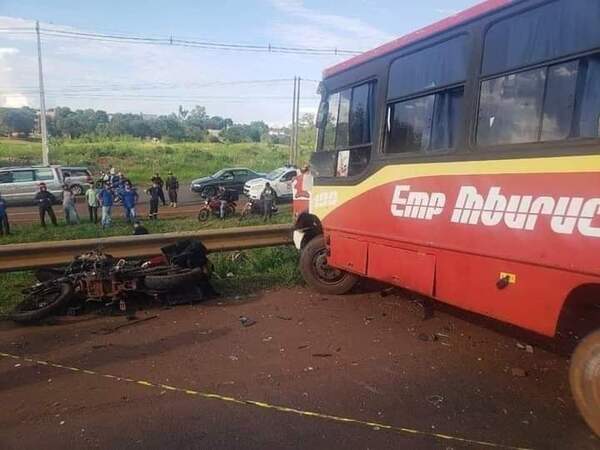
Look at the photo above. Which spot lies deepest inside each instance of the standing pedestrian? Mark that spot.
(68, 201)
(44, 200)
(129, 197)
(159, 181)
(154, 193)
(106, 199)
(91, 196)
(4, 226)
(172, 185)
(267, 196)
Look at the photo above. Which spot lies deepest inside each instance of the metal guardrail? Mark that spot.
(55, 253)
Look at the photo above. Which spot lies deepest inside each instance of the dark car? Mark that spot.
(231, 179)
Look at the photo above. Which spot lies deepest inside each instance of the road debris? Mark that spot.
(436, 400)
(284, 317)
(528, 348)
(247, 322)
(322, 355)
(518, 372)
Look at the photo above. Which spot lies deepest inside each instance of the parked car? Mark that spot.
(280, 180)
(19, 185)
(232, 179)
(79, 179)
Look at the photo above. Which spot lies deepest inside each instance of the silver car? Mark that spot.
(79, 179)
(18, 185)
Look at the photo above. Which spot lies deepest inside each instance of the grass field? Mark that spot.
(139, 160)
(249, 271)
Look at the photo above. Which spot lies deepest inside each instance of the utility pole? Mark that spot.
(291, 158)
(43, 127)
(296, 151)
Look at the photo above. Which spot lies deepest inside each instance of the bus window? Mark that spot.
(554, 30)
(510, 108)
(341, 137)
(409, 125)
(424, 124)
(588, 123)
(360, 116)
(552, 103)
(431, 68)
(333, 105)
(346, 131)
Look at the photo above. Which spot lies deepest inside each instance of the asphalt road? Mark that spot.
(367, 360)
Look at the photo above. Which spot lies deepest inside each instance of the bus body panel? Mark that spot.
(455, 231)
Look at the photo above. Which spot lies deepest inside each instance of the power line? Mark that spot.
(195, 43)
(140, 86)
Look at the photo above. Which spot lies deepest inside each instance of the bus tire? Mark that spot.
(584, 377)
(318, 275)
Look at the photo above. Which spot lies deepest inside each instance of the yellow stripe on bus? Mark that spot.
(397, 172)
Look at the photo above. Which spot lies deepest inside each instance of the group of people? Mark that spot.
(112, 187)
(116, 186)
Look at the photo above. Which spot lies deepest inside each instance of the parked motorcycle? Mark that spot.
(212, 207)
(256, 207)
(98, 277)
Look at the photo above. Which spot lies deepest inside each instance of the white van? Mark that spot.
(280, 180)
(18, 185)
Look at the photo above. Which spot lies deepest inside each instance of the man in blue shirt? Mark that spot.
(4, 227)
(129, 197)
(106, 199)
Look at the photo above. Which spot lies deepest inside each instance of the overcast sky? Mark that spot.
(120, 77)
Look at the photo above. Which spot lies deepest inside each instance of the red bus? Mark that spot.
(462, 162)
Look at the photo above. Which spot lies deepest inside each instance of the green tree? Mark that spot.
(17, 120)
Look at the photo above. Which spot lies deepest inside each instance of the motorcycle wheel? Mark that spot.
(167, 277)
(42, 303)
(203, 215)
(246, 211)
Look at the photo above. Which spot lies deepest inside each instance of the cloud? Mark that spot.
(5, 51)
(121, 77)
(13, 101)
(305, 26)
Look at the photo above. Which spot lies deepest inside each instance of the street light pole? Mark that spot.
(292, 133)
(43, 127)
(296, 151)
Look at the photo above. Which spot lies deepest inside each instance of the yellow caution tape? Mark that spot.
(375, 426)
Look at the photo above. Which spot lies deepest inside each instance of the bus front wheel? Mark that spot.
(584, 376)
(319, 275)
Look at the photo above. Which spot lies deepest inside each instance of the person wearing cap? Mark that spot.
(4, 226)
(172, 185)
(44, 200)
(106, 199)
(68, 201)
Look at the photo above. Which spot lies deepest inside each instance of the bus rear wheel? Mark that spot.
(320, 276)
(584, 375)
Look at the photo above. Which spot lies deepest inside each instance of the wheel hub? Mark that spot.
(323, 270)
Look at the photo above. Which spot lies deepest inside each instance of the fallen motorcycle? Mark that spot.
(98, 277)
(212, 207)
